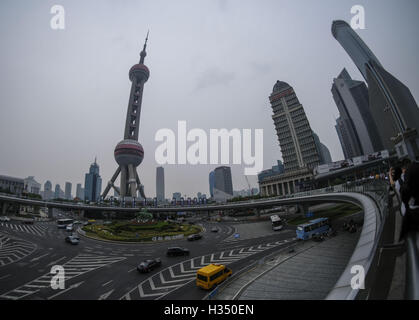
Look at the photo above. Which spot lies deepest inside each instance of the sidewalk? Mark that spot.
(309, 273)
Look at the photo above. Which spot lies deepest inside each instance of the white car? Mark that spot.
(69, 227)
(4, 219)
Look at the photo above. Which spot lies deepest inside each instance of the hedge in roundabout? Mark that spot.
(140, 231)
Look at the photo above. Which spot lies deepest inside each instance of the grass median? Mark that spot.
(140, 232)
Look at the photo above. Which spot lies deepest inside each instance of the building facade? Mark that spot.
(323, 151)
(276, 170)
(223, 180)
(392, 106)
(79, 192)
(160, 194)
(12, 184)
(286, 183)
(297, 143)
(47, 193)
(92, 183)
(211, 183)
(352, 100)
(32, 186)
(58, 193)
(68, 187)
(293, 129)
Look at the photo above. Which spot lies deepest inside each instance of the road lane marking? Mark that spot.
(4, 277)
(40, 257)
(106, 295)
(55, 262)
(106, 283)
(65, 290)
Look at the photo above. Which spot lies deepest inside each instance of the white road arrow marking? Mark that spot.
(65, 290)
(40, 257)
(106, 295)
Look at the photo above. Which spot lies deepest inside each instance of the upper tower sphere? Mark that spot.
(140, 72)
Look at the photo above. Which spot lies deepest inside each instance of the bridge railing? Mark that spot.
(382, 256)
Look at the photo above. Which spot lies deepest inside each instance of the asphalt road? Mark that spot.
(102, 270)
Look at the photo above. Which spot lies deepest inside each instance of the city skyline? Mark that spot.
(216, 86)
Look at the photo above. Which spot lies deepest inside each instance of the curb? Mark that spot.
(83, 234)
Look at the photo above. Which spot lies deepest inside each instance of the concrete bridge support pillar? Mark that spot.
(303, 209)
(49, 212)
(53, 212)
(3, 208)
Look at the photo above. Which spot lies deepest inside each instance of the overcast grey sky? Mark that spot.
(213, 63)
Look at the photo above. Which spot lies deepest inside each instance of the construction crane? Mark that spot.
(251, 190)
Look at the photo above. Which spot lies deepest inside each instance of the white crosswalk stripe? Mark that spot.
(13, 249)
(184, 272)
(77, 266)
(38, 229)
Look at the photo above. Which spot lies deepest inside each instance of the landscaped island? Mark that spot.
(134, 231)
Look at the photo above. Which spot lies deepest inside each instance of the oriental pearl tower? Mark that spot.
(129, 153)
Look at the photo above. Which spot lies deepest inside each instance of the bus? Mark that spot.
(276, 222)
(211, 275)
(62, 223)
(308, 230)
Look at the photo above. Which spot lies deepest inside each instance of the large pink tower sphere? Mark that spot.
(129, 152)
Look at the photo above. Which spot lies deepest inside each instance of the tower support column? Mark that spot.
(123, 181)
(132, 181)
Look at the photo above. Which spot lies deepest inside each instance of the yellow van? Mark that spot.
(211, 275)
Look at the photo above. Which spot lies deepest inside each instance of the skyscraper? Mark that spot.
(296, 141)
(47, 195)
(57, 193)
(293, 129)
(222, 180)
(392, 106)
(92, 183)
(80, 192)
(323, 151)
(359, 52)
(355, 121)
(211, 183)
(68, 186)
(160, 184)
(31, 185)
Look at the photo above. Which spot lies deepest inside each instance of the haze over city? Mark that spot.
(64, 93)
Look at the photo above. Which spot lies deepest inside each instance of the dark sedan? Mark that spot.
(177, 251)
(148, 265)
(193, 237)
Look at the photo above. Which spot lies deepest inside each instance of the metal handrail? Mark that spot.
(412, 266)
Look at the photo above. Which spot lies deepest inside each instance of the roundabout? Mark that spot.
(134, 231)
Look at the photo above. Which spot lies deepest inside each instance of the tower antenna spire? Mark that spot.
(144, 53)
